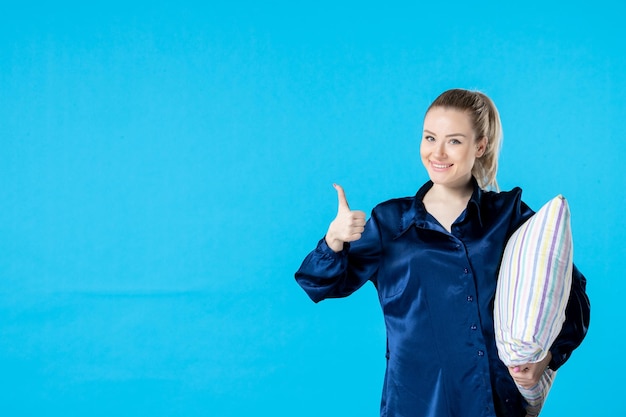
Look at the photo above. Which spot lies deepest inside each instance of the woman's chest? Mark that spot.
(439, 269)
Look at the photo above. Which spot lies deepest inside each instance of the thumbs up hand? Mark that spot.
(347, 226)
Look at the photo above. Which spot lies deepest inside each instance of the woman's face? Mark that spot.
(449, 147)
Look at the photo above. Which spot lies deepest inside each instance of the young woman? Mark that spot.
(434, 260)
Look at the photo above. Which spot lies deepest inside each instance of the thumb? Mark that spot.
(341, 197)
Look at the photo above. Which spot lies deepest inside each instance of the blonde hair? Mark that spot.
(486, 122)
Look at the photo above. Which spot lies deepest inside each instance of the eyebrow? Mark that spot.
(448, 136)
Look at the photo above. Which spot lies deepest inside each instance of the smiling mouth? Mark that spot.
(440, 166)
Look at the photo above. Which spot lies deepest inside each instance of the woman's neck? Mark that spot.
(447, 203)
(451, 194)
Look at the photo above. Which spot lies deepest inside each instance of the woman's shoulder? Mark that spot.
(394, 209)
(499, 198)
(504, 204)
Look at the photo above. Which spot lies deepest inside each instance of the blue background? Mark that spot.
(165, 168)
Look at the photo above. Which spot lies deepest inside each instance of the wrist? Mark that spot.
(334, 244)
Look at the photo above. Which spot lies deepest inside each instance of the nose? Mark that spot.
(440, 150)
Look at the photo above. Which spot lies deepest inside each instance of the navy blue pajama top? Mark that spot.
(436, 290)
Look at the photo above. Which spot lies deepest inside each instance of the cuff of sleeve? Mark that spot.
(558, 359)
(323, 247)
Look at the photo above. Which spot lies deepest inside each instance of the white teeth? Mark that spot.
(441, 166)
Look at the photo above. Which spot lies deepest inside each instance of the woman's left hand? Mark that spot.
(528, 375)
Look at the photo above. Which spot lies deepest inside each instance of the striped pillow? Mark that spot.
(532, 292)
(534, 285)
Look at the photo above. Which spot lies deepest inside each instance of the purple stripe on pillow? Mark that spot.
(554, 252)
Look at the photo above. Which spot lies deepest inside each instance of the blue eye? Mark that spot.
(455, 141)
(429, 139)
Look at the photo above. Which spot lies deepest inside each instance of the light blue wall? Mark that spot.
(164, 170)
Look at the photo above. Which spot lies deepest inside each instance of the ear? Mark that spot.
(481, 146)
